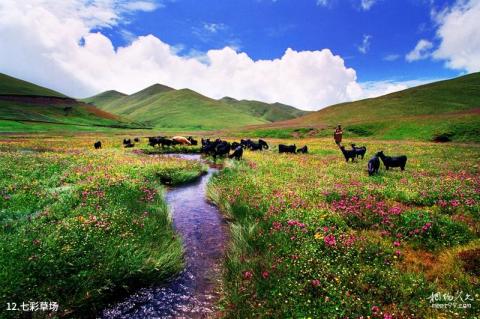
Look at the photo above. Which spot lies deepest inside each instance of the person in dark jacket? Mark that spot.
(337, 135)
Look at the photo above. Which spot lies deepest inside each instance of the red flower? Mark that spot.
(265, 274)
(375, 309)
(330, 240)
(315, 283)
(247, 275)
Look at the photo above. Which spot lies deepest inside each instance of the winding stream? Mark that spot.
(192, 294)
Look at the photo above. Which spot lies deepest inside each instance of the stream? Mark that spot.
(192, 294)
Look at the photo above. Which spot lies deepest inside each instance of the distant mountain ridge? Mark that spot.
(164, 107)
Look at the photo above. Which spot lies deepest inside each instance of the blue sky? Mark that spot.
(305, 53)
(264, 29)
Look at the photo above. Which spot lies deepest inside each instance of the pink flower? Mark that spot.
(265, 274)
(387, 316)
(398, 252)
(375, 309)
(454, 203)
(315, 283)
(330, 240)
(396, 243)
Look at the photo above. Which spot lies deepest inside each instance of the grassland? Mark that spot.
(81, 225)
(450, 107)
(315, 237)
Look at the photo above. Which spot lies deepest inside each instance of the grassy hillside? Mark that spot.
(450, 107)
(105, 98)
(24, 105)
(12, 86)
(164, 107)
(270, 112)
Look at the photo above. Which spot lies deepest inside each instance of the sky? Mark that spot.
(305, 53)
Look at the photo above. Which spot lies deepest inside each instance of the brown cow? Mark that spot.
(181, 140)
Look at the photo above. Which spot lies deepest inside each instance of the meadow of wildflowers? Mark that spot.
(313, 236)
(81, 225)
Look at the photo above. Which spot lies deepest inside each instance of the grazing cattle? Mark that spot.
(349, 154)
(303, 150)
(287, 148)
(222, 149)
(237, 153)
(263, 144)
(181, 140)
(373, 165)
(136, 139)
(360, 151)
(236, 144)
(192, 141)
(393, 161)
(129, 145)
(126, 141)
(97, 145)
(152, 141)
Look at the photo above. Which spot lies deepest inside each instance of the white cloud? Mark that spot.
(459, 34)
(52, 43)
(365, 46)
(367, 4)
(420, 52)
(213, 27)
(391, 57)
(323, 3)
(378, 88)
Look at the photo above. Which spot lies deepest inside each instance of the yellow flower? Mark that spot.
(318, 236)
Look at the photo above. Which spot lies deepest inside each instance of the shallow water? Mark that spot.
(193, 293)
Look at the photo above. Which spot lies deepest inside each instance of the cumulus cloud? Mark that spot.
(52, 43)
(420, 52)
(459, 34)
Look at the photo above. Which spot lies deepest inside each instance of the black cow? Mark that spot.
(237, 153)
(126, 141)
(287, 148)
(373, 165)
(303, 150)
(136, 139)
(393, 161)
(97, 145)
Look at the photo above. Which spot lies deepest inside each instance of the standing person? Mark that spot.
(337, 135)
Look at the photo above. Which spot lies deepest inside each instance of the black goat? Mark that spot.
(97, 145)
(360, 151)
(237, 153)
(303, 150)
(287, 148)
(393, 161)
(349, 154)
(373, 165)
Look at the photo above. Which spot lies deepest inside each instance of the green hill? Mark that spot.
(164, 107)
(450, 108)
(105, 98)
(270, 112)
(25, 106)
(13, 86)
